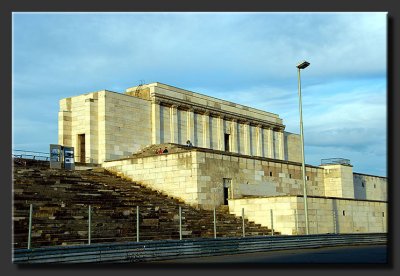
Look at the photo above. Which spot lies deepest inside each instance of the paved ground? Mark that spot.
(366, 254)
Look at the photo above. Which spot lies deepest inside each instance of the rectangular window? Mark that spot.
(270, 173)
(344, 213)
(226, 140)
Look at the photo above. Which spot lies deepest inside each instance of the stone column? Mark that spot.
(246, 140)
(259, 140)
(220, 132)
(234, 138)
(281, 144)
(206, 130)
(190, 126)
(173, 123)
(155, 121)
(270, 141)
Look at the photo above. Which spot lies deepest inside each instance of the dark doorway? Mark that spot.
(226, 139)
(226, 195)
(81, 142)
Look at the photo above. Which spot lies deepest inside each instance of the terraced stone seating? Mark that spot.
(60, 206)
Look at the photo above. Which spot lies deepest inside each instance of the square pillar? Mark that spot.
(220, 132)
(155, 121)
(246, 139)
(281, 142)
(190, 125)
(270, 141)
(173, 123)
(206, 130)
(259, 135)
(234, 138)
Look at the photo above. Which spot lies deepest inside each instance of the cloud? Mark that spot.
(248, 58)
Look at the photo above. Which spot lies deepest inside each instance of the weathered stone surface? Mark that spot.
(61, 217)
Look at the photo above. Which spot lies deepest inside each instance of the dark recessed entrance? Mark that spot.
(226, 141)
(82, 150)
(226, 195)
(227, 191)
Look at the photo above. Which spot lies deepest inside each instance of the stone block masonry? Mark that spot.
(106, 125)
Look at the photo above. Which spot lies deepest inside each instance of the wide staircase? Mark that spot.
(61, 202)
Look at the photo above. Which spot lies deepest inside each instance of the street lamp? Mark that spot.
(302, 65)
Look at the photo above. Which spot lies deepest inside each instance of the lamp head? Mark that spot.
(303, 64)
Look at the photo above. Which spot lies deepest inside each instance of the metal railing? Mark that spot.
(92, 224)
(35, 155)
(42, 156)
(333, 161)
(176, 249)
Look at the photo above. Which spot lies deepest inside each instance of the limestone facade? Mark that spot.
(106, 125)
(241, 157)
(209, 178)
(326, 215)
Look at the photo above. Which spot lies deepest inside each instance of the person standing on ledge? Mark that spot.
(188, 143)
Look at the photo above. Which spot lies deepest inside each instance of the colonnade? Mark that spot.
(256, 139)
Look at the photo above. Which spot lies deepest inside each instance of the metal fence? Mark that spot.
(333, 161)
(18, 155)
(26, 154)
(167, 250)
(46, 226)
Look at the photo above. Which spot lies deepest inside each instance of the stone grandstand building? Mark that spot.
(241, 157)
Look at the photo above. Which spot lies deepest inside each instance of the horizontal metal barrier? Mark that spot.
(172, 249)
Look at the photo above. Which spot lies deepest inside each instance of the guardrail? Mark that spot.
(172, 249)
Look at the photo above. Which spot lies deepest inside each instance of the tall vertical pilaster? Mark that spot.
(281, 145)
(155, 121)
(220, 132)
(190, 125)
(246, 139)
(234, 138)
(270, 141)
(206, 129)
(173, 123)
(259, 140)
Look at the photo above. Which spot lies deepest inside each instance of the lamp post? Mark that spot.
(303, 65)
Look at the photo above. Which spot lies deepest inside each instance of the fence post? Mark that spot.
(334, 221)
(137, 223)
(89, 225)
(215, 225)
(180, 223)
(244, 233)
(383, 222)
(30, 226)
(272, 221)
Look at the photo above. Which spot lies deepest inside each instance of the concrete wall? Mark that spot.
(326, 215)
(292, 147)
(338, 181)
(249, 177)
(172, 174)
(370, 187)
(114, 125)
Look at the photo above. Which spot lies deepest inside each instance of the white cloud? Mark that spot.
(248, 58)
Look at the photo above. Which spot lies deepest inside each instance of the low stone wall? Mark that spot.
(325, 215)
(171, 173)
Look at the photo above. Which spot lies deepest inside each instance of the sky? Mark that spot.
(246, 58)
